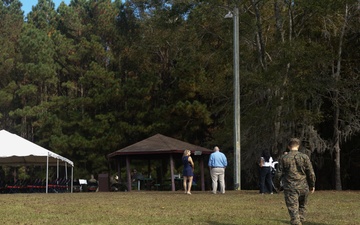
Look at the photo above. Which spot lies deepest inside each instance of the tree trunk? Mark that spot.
(338, 185)
(337, 131)
(278, 20)
(279, 93)
(290, 13)
(259, 36)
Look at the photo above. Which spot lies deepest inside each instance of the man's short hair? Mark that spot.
(294, 142)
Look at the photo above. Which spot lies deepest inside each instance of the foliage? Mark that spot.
(94, 76)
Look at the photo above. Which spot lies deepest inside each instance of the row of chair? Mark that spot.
(35, 186)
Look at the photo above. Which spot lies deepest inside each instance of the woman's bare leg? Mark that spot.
(190, 184)
(184, 182)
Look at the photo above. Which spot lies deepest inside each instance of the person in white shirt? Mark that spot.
(265, 172)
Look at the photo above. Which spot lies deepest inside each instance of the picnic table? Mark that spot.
(145, 182)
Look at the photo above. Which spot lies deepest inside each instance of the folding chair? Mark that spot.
(14, 188)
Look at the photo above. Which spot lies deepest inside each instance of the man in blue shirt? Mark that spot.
(217, 164)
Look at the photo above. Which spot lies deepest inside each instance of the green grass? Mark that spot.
(235, 207)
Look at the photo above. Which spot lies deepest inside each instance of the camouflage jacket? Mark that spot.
(295, 171)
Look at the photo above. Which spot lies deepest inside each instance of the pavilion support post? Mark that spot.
(202, 173)
(118, 169)
(128, 173)
(172, 172)
(149, 168)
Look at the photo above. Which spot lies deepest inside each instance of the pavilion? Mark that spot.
(159, 146)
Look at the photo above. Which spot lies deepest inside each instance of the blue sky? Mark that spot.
(27, 4)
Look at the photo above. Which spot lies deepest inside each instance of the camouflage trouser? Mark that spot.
(296, 203)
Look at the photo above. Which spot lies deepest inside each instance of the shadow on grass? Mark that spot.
(218, 223)
(313, 223)
(276, 221)
(281, 221)
(304, 223)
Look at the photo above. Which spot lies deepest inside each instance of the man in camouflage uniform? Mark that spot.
(298, 177)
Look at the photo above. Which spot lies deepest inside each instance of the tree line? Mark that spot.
(91, 77)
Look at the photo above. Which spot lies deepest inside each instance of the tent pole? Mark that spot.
(72, 179)
(66, 175)
(57, 168)
(47, 173)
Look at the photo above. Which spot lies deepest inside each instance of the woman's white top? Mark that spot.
(267, 164)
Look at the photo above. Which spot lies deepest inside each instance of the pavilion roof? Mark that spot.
(159, 144)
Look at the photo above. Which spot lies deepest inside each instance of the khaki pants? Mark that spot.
(218, 174)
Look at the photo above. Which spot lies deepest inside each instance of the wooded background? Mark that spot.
(89, 78)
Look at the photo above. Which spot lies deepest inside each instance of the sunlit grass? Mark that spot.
(235, 207)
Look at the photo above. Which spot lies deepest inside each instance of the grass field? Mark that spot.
(235, 207)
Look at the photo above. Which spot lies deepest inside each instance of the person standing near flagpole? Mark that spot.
(266, 162)
(217, 165)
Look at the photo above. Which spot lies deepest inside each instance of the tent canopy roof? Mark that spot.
(159, 144)
(17, 150)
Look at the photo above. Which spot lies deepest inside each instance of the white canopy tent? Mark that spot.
(15, 150)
